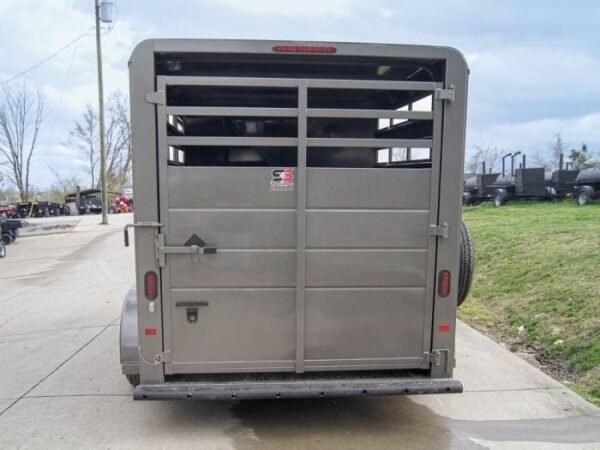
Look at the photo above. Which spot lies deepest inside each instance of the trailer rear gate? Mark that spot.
(299, 220)
(328, 269)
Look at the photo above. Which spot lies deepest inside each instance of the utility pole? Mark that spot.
(101, 119)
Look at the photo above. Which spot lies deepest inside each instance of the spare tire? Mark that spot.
(466, 263)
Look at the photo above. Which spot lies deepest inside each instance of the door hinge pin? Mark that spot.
(445, 94)
(158, 97)
(439, 230)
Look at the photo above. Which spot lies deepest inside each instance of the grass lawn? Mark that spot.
(538, 269)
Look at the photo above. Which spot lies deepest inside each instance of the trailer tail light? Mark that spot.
(151, 285)
(444, 283)
(303, 49)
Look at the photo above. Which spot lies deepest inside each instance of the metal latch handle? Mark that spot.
(137, 225)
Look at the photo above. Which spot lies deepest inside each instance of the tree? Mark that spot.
(62, 186)
(21, 112)
(84, 137)
(581, 158)
(488, 155)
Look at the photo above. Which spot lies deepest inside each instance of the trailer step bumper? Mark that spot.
(312, 389)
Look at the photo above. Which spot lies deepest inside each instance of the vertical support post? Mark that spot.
(560, 163)
(101, 118)
(301, 224)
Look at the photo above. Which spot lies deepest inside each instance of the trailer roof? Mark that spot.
(419, 52)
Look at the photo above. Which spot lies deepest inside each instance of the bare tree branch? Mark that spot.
(84, 137)
(21, 113)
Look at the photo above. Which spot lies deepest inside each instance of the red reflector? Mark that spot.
(444, 328)
(303, 49)
(150, 331)
(151, 285)
(444, 283)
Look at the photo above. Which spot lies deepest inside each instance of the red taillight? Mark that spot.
(150, 331)
(444, 283)
(444, 328)
(304, 49)
(151, 285)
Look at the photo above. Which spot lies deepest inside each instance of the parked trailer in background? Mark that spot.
(586, 186)
(478, 187)
(561, 180)
(10, 229)
(522, 183)
(298, 220)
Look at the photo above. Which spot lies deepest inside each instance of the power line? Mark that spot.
(47, 58)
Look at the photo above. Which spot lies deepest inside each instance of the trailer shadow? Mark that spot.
(340, 423)
(373, 422)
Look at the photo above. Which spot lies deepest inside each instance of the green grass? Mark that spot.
(538, 265)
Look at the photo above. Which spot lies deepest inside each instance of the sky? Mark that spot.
(535, 65)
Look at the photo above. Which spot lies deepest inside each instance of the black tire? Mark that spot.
(584, 196)
(467, 199)
(7, 238)
(500, 198)
(2, 250)
(134, 380)
(467, 264)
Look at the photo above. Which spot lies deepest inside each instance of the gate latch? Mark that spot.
(191, 309)
(439, 230)
(137, 225)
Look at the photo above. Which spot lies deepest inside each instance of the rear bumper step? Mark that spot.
(295, 389)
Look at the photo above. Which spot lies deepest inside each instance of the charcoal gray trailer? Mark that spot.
(527, 183)
(298, 219)
(478, 188)
(586, 186)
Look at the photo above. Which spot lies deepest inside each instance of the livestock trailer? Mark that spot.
(297, 220)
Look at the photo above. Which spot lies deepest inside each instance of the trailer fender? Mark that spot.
(128, 336)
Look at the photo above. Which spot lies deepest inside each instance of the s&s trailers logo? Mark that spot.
(282, 180)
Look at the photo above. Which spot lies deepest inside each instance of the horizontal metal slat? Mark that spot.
(375, 143)
(232, 141)
(372, 84)
(226, 111)
(228, 81)
(370, 114)
(291, 83)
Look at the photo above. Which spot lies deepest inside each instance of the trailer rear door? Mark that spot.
(317, 265)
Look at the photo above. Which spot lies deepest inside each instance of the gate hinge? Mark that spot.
(435, 357)
(445, 94)
(157, 97)
(164, 357)
(159, 249)
(439, 230)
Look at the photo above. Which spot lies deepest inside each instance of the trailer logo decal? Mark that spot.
(282, 180)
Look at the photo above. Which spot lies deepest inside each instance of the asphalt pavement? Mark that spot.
(61, 290)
